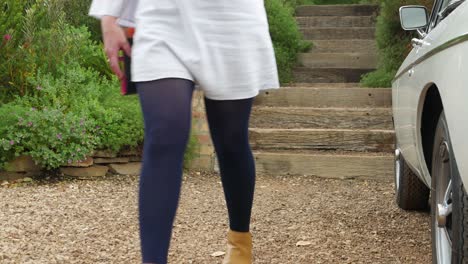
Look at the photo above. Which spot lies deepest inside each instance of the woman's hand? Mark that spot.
(114, 41)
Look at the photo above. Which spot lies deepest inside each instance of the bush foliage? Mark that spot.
(80, 18)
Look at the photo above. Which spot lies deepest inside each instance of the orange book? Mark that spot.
(127, 87)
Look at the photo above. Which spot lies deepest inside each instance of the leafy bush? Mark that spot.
(71, 116)
(83, 91)
(42, 43)
(78, 17)
(52, 137)
(392, 41)
(10, 114)
(60, 100)
(294, 3)
(12, 14)
(286, 37)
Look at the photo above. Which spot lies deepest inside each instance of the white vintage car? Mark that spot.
(430, 106)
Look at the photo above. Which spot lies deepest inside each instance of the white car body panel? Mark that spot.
(448, 70)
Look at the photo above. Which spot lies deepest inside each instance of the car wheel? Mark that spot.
(449, 203)
(411, 193)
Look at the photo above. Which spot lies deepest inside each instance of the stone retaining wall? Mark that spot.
(205, 159)
(99, 164)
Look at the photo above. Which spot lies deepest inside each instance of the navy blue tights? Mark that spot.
(166, 106)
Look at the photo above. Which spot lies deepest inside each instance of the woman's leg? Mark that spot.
(229, 123)
(166, 106)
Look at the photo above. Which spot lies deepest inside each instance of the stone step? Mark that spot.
(339, 166)
(328, 75)
(347, 45)
(326, 97)
(337, 10)
(339, 60)
(323, 118)
(318, 33)
(267, 139)
(336, 21)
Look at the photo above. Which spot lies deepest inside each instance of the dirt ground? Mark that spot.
(295, 220)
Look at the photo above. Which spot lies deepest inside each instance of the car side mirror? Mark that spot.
(413, 17)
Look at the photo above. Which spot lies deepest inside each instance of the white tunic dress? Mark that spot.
(223, 45)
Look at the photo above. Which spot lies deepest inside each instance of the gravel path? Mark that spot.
(335, 221)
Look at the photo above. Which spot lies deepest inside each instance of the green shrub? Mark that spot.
(286, 37)
(392, 42)
(72, 115)
(51, 136)
(10, 114)
(12, 14)
(83, 91)
(42, 43)
(78, 17)
(294, 3)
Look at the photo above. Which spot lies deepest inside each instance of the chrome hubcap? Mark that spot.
(444, 209)
(443, 214)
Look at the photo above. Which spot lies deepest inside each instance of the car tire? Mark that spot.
(449, 230)
(411, 193)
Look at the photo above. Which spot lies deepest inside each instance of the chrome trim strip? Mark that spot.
(442, 47)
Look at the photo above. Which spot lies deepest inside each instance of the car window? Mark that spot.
(444, 4)
(433, 19)
(442, 9)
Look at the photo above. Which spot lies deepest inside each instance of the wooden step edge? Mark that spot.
(322, 130)
(331, 88)
(341, 5)
(351, 53)
(339, 28)
(311, 88)
(328, 153)
(333, 16)
(347, 166)
(324, 85)
(324, 109)
(340, 66)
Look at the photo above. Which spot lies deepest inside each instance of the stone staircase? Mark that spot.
(325, 124)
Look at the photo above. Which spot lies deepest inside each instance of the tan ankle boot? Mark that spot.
(239, 249)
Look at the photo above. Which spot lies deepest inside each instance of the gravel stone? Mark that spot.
(333, 221)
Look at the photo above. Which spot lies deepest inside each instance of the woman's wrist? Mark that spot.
(108, 22)
(109, 18)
